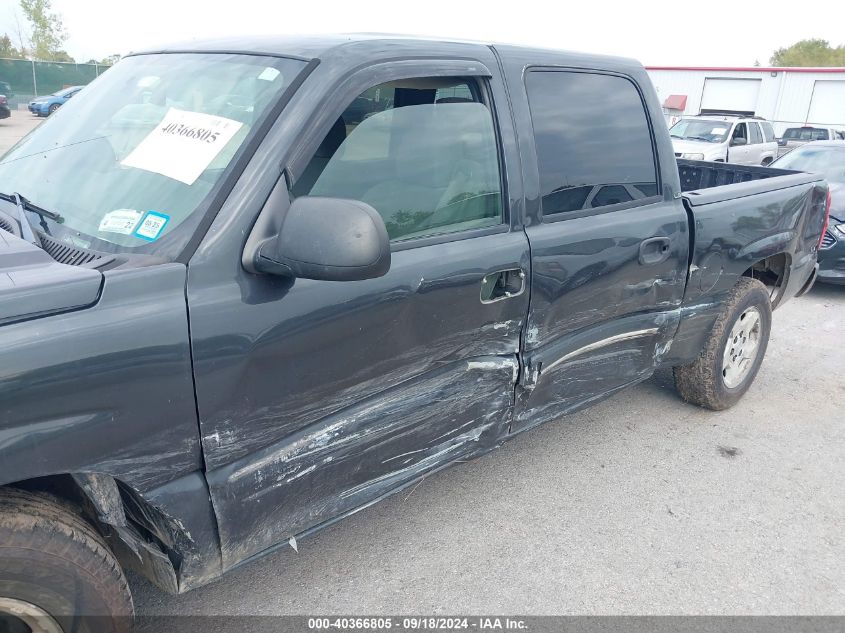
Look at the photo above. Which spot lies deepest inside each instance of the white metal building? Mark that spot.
(787, 97)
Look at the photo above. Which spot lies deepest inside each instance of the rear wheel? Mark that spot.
(732, 356)
(57, 574)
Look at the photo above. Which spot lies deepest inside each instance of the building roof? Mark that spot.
(761, 69)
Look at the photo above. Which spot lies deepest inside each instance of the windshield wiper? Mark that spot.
(24, 205)
(700, 138)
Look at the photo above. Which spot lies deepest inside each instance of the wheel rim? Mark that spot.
(741, 348)
(33, 617)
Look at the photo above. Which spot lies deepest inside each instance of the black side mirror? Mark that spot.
(739, 141)
(332, 239)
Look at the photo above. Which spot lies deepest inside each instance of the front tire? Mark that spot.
(52, 109)
(731, 358)
(56, 570)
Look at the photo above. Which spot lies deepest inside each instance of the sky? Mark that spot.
(716, 33)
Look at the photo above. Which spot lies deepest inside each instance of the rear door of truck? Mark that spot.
(608, 268)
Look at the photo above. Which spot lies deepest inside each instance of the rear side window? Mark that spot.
(768, 132)
(756, 137)
(593, 142)
(422, 152)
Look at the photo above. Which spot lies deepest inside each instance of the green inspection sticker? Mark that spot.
(151, 226)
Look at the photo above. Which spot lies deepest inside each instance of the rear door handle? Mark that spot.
(655, 250)
(502, 285)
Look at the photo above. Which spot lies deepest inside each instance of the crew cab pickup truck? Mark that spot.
(232, 313)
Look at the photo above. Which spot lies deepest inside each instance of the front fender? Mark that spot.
(105, 389)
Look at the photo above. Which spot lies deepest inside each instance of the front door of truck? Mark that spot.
(318, 397)
(609, 253)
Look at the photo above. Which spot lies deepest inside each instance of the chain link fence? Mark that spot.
(21, 79)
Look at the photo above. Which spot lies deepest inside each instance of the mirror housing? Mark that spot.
(330, 239)
(739, 141)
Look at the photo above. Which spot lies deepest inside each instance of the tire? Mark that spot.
(55, 568)
(52, 109)
(714, 380)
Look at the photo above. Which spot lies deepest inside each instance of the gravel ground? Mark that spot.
(639, 505)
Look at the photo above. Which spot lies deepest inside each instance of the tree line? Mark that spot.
(41, 36)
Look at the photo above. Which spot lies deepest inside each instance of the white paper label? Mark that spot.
(121, 221)
(718, 130)
(269, 74)
(183, 145)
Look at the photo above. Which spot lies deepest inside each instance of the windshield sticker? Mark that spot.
(718, 130)
(152, 226)
(183, 145)
(121, 221)
(269, 74)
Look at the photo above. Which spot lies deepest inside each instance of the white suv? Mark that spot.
(728, 139)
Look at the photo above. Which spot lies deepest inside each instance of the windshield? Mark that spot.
(825, 161)
(701, 130)
(132, 162)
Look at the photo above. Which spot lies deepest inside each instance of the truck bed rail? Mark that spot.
(699, 174)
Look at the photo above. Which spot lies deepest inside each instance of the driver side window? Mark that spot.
(422, 152)
(740, 132)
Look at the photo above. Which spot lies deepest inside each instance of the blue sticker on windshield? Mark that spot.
(151, 226)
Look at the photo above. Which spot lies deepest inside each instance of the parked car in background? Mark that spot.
(725, 139)
(45, 106)
(826, 158)
(5, 111)
(796, 136)
(6, 89)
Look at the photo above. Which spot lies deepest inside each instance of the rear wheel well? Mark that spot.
(773, 271)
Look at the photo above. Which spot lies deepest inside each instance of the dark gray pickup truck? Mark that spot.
(250, 287)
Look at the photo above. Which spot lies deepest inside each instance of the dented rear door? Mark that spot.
(317, 398)
(609, 245)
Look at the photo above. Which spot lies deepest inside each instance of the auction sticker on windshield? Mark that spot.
(121, 221)
(183, 145)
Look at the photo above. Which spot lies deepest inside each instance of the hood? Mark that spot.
(837, 202)
(701, 147)
(33, 284)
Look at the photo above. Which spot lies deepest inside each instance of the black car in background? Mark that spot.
(5, 111)
(826, 158)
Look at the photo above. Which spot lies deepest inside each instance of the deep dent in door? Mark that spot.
(419, 414)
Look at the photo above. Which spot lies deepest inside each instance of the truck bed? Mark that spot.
(704, 182)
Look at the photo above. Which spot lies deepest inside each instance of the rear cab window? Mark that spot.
(593, 141)
(422, 152)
